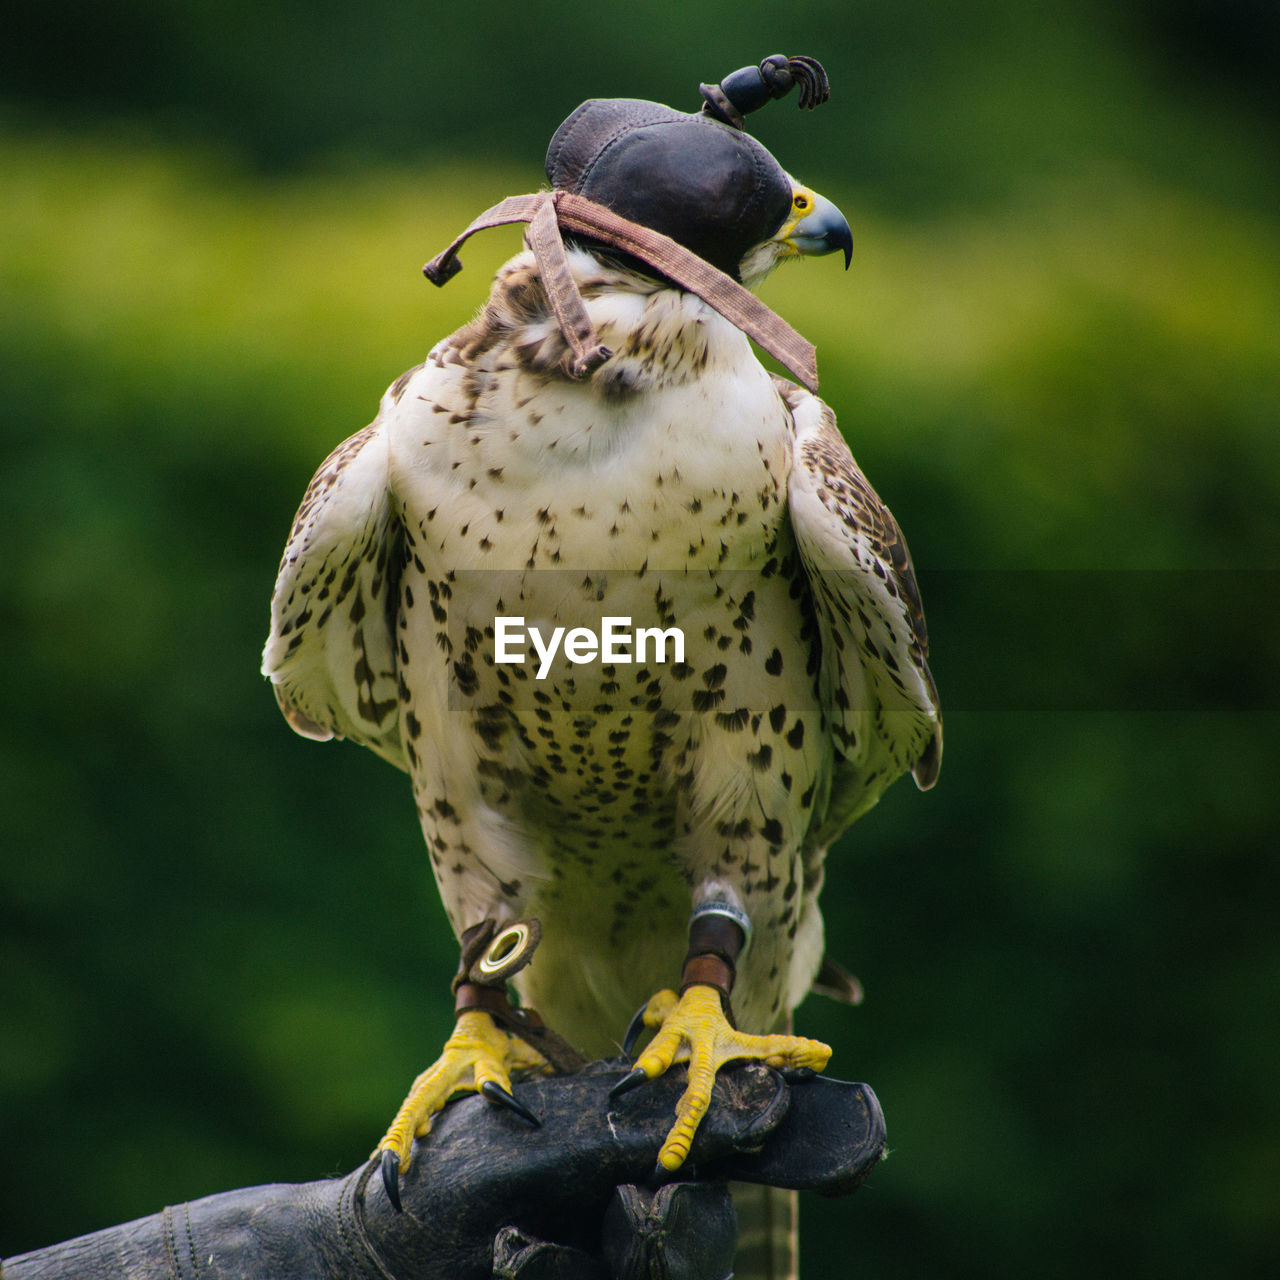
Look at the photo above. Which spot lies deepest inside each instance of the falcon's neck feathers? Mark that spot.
(660, 335)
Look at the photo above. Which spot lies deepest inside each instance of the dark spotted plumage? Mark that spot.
(681, 486)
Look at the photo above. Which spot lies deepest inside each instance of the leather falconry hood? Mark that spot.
(687, 194)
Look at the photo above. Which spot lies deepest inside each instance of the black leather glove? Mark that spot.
(487, 1194)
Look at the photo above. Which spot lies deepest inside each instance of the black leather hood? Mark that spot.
(696, 177)
(710, 187)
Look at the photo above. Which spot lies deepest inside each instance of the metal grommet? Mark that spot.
(508, 953)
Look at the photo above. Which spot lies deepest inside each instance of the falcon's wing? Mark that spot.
(877, 692)
(331, 652)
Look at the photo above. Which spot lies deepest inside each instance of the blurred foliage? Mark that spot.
(1057, 356)
(935, 103)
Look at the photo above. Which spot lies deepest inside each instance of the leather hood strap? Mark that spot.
(551, 213)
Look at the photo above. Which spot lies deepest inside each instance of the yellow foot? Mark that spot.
(694, 1029)
(478, 1058)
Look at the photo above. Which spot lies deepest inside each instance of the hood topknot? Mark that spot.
(696, 177)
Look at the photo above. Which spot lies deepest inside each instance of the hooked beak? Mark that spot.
(824, 230)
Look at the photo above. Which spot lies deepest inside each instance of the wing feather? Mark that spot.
(331, 651)
(877, 691)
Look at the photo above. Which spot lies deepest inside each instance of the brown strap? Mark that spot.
(578, 214)
(553, 265)
(557, 278)
(527, 1024)
(472, 946)
(470, 995)
(708, 971)
(444, 266)
(711, 971)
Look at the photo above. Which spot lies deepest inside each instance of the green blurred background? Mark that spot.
(1057, 355)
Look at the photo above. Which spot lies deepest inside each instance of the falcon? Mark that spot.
(601, 444)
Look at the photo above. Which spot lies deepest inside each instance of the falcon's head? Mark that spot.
(699, 178)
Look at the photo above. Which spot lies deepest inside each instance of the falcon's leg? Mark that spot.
(696, 1027)
(490, 1041)
(478, 1057)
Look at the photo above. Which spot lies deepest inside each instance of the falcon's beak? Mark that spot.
(822, 230)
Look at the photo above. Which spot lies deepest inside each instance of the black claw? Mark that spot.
(661, 1175)
(628, 1082)
(391, 1177)
(500, 1097)
(635, 1029)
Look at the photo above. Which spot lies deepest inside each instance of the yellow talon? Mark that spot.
(694, 1029)
(478, 1052)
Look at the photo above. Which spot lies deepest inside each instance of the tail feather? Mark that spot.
(768, 1240)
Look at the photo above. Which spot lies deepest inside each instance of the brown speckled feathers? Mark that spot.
(680, 486)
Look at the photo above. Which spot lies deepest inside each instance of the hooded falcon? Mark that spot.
(623, 606)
